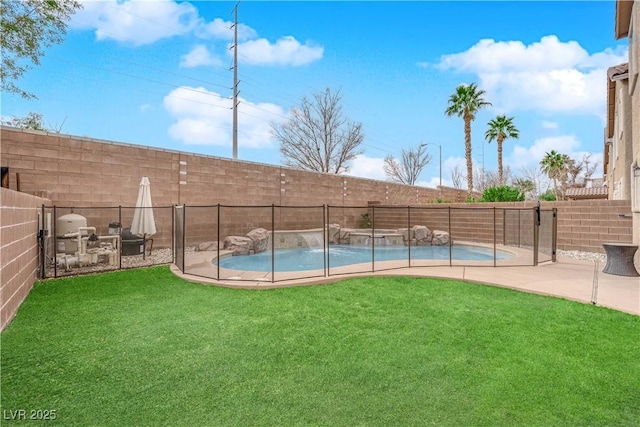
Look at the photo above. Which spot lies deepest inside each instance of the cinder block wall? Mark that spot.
(19, 247)
(74, 171)
(83, 172)
(583, 225)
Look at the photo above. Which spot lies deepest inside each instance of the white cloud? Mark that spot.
(526, 157)
(548, 76)
(549, 125)
(199, 56)
(285, 51)
(223, 30)
(367, 167)
(141, 22)
(205, 118)
(138, 22)
(145, 107)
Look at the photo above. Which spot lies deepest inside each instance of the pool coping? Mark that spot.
(200, 264)
(576, 280)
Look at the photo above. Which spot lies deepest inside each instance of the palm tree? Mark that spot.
(465, 103)
(554, 165)
(501, 128)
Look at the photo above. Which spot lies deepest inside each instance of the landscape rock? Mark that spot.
(334, 233)
(406, 233)
(209, 246)
(260, 238)
(440, 238)
(240, 245)
(422, 235)
(344, 236)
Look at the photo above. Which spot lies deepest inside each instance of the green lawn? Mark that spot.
(143, 347)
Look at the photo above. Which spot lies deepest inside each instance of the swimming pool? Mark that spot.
(342, 255)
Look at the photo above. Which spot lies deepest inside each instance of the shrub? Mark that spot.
(503, 193)
(548, 196)
(365, 221)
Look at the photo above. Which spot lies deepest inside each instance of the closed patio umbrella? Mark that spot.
(143, 223)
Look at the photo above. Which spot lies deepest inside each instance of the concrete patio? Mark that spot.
(567, 278)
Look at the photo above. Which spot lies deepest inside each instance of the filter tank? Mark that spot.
(66, 224)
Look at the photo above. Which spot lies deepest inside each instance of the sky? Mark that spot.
(159, 73)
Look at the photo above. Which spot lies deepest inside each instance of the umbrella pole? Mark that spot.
(144, 246)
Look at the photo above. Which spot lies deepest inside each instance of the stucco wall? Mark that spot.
(634, 63)
(19, 247)
(621, 152)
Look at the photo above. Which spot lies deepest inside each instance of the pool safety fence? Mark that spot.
(292, 242)
(85, 240)
(276, 243)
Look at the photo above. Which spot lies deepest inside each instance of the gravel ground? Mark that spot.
(589, 256)
(157, 257)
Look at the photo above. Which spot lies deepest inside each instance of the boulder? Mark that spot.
(240, 245)
(209, 246)
(333, 235)
(260, 238)
(440, 238)
(422, 235)
(406, 233)
(344, 237)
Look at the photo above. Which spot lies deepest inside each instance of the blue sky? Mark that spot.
(158, 73)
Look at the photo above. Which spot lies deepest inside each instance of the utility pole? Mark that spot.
(235, 82)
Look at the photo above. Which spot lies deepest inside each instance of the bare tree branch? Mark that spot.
(409, 168)
(457, 177)
(318, 137)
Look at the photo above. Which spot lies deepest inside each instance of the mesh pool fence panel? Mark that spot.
(275, 243)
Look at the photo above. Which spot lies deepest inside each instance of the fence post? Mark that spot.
(450, 238)
(42, 237)
(325, 243)
(55, 243)
(554, 235)
(409, 233)
(184, 234)
(173, 233)
(328, 253)
(120, 248)
(536, 232)
(494, 235)
(504, 227)
(373, 238)
(218, 243)
(273, 252)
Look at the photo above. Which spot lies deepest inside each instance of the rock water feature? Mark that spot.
(312, 238)
(259, 240)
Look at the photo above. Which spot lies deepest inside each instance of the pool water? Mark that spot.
(342, 255)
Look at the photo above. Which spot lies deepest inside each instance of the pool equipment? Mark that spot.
(79, 245)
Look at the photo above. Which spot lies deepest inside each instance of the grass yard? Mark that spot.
(143, 347)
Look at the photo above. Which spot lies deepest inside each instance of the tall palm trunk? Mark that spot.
(499, 140)
(467, 152)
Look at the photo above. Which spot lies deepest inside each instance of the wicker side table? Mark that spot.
(620, 259)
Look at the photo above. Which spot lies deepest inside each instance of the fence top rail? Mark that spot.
(376, 207)
(104, 207)
(270, 206)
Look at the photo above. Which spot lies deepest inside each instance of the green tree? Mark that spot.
(466, 102)
(31, 121)
(501, 128)
(28, 27)
(554, 165)
(527, 186)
